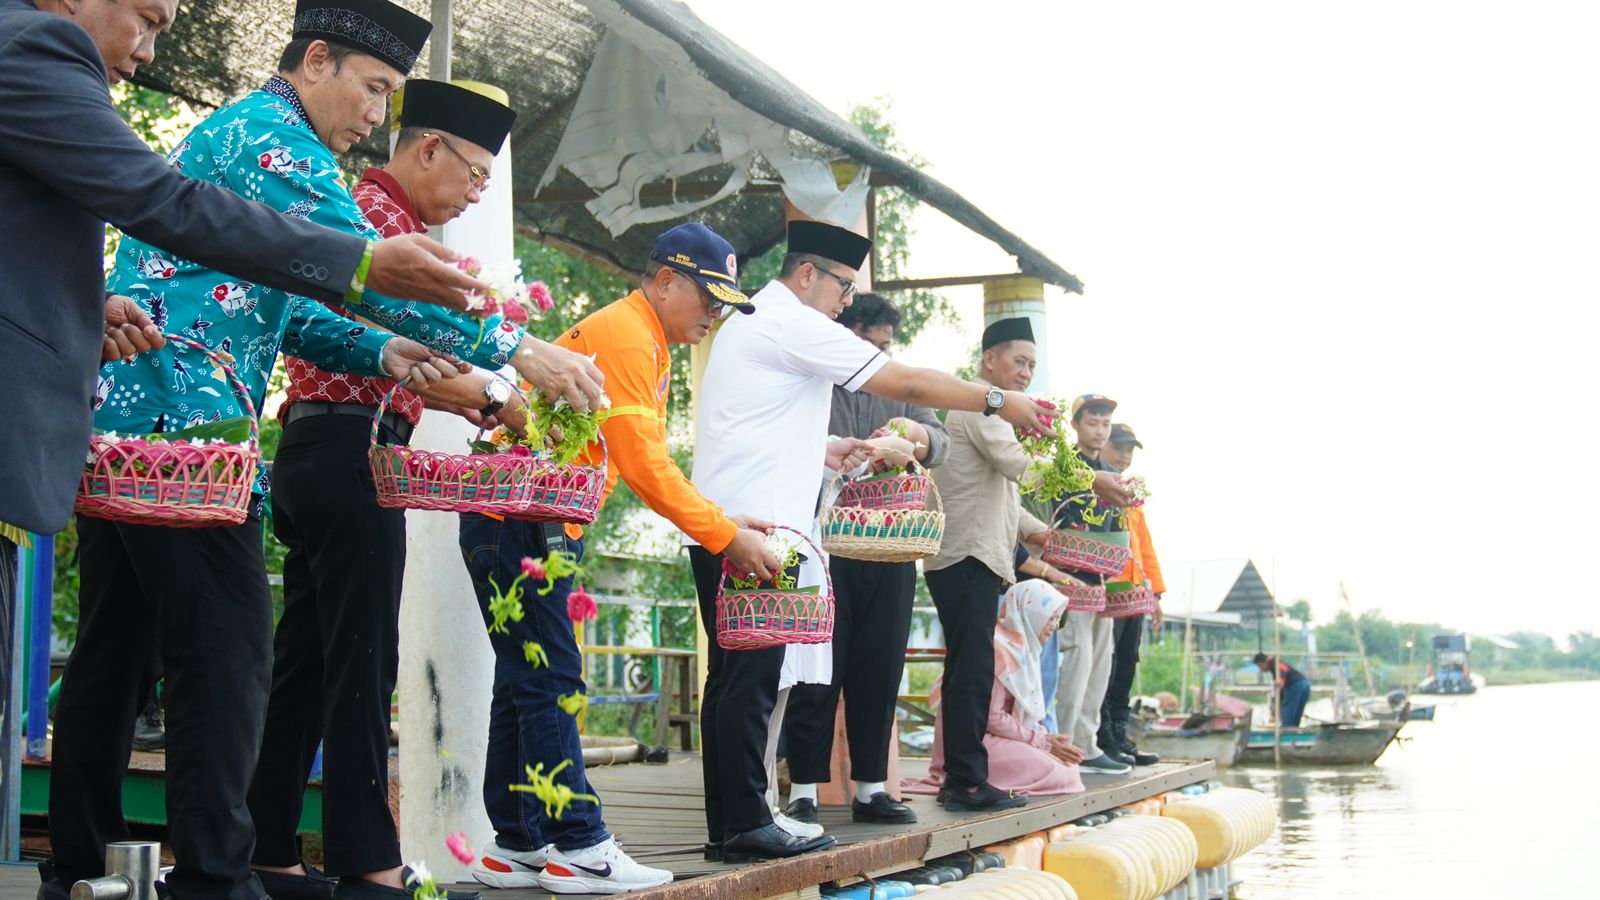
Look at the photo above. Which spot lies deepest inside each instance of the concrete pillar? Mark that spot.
(1021, 295)
(446, 663)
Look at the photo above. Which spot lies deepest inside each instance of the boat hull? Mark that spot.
(1220, 740)
(1358, 744)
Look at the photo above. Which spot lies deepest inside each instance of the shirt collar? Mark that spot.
(640, 304)
(279, 87)
(386, 182)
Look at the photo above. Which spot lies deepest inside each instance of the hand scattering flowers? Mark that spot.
(507, 296)
(457, 844)
(556, 797)
(1138, 491)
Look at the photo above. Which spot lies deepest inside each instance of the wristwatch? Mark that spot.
(497, 392)
(995, 399)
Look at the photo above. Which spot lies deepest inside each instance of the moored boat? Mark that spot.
(1331, 744)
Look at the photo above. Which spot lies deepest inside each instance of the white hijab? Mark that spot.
(1025, 611)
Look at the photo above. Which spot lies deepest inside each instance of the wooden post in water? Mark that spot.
(1277, 660)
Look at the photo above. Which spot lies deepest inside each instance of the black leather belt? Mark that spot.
(398, 425)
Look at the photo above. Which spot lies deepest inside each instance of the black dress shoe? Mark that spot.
(1117, 755)
(354, 887)
(51, 887)
(983, 798)
(712, 850)
(881, 810)
(311, 886)
(803, 810)
(770, 842)
(1140, 757)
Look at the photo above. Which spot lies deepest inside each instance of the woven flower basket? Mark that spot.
(899, 492)
(504, 484)
(1123, 601)
(1101, 552)
(767, 617)
(1088, 598)
(178, 485)
(882, 534)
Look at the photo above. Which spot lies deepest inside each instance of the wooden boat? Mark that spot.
(1220, 738)
(1329, 744)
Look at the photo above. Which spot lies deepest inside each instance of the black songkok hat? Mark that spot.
(841, 245)
(375, 27)
(1005, 331)
(460, 111)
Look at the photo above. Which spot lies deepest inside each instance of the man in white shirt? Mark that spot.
(761, 445)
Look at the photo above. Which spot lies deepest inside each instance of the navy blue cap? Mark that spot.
(702, 254)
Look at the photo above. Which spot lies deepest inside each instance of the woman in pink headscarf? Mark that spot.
(1023, 757)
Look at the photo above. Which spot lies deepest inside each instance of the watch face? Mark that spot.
(997, 398)
(497, 391)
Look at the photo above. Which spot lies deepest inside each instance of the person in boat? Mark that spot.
(1087, 638)
(690, 282)
(1144, 568)
(1025, 759)
(872, 613)
(1293, 687)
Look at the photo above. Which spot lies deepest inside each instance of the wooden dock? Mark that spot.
(656, 812)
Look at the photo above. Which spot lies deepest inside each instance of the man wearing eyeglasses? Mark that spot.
(336, 650)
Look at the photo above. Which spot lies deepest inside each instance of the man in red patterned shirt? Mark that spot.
(336, 650)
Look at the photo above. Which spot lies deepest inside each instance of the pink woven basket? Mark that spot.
(899, 492)
(177, 484)
(1089, 598)
(754, 620)
(503, 484)
(1127, 604)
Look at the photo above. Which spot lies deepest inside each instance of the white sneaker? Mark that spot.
(796, 827)
(501, 868)
(601, 869)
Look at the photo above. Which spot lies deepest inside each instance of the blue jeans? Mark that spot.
(526, 725)
(1049, 676)
(1294, 702)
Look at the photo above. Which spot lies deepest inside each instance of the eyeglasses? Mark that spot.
(715, 308)
(848, 286)
(480, 178)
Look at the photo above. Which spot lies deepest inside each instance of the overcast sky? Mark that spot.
(1339, 264)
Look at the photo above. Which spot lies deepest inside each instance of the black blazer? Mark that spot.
(68, 164)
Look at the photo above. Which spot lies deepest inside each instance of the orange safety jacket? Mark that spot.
(629, 346)
(1143, 564)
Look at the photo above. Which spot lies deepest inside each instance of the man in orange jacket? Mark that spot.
(689, 283)
(1143, 568)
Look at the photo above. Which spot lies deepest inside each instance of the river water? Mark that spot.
(1498, 797)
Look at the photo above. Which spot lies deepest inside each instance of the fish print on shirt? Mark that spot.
(154, 266)
(279, 161)
(234, 297)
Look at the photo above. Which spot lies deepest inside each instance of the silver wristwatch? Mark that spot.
(995, 399)
(497, 392)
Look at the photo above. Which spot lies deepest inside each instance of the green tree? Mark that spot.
(1299, 611)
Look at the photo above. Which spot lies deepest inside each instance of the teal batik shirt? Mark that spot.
(261, 147)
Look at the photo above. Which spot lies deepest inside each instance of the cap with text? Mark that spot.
(705, 256)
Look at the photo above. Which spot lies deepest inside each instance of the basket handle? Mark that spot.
(247, 404)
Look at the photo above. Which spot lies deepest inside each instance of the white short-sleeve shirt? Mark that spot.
(762, 414)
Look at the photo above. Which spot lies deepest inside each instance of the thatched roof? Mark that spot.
(539, 51)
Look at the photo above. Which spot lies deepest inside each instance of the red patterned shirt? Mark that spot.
(389, 210)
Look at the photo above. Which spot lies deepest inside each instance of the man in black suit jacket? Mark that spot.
(68, 165)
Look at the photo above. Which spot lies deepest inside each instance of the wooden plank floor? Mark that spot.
(656, 812)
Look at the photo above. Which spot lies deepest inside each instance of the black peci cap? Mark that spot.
(378, 28)
(460, 111)
(841, 245)
(1004, 331)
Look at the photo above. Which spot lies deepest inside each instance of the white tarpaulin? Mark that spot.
(645, 114)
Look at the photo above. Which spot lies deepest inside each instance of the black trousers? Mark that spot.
(201, 594)
(9, 604)
(1126, 635)
(735, 709)
(871, 624)
(967, 596)
(336, 651)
